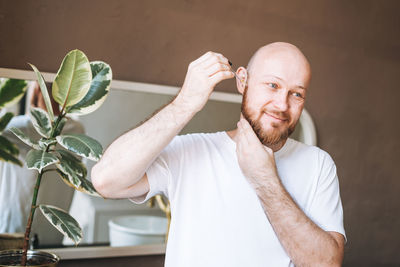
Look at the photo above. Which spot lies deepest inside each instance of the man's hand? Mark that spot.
(202, 76)
(256, 160)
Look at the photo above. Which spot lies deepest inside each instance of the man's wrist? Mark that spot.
(183, 105)
(268, 186)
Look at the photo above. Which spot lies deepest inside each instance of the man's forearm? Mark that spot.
(303, 240)
(118, 173)
(125, 161)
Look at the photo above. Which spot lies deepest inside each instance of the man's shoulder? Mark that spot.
(300, 148)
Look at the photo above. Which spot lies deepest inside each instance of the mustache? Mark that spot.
(277, 114)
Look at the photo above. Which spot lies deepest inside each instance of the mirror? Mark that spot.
(128, 104)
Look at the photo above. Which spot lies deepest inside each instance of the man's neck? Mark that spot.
(275, 147)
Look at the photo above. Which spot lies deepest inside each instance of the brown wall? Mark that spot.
(353, 47)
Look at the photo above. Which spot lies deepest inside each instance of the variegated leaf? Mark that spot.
(99, 88)
(8, 157)
(36, 159)
(64, 222)
(5, 119)
(45, 93)
(72, 167)
(41, 121)
(85, 185)
(11, 91)
(82, 145)
(73, 79)
(24, 138)
(7, 146)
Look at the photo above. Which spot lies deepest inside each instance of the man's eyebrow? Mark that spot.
(276, 77)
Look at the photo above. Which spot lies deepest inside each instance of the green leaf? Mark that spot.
(99, 88)
(7, 157)
(82, 145)
(73, 79)
(45, 93)
(7, 146)
(5, 119)
(24, 138)
(64, 222)
(72, 167)
(36, 159)
(41, 121)
(11, 91)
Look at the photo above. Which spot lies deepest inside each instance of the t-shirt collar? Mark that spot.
(281, 152)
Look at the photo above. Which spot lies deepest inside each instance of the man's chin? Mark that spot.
(272, 137)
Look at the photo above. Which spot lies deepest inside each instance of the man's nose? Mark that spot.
(281, 101)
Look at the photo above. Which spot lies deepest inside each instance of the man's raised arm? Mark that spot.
(121, 172)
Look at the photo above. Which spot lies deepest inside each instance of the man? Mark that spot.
(247, 197)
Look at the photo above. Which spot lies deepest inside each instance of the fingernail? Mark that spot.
(230, 63)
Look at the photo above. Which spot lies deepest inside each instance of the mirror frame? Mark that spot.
(310, 138)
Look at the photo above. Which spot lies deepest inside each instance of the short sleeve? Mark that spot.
(161, 171)
(326, 208)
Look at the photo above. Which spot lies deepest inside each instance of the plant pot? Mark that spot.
(35, 258)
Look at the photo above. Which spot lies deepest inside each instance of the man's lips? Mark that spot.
(281, 119)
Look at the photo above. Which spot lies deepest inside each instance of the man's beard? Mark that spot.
(266, 137)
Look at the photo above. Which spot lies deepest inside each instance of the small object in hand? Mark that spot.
(237, 77)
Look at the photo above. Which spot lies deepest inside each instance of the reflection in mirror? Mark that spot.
(126, 106)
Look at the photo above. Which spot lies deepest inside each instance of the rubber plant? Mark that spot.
(80, 87)
(11, 91)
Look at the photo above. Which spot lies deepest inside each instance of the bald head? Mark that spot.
(280, 51)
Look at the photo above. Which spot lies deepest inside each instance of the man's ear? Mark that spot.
(242, 83)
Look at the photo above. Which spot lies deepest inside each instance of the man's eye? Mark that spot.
(298, 95)
(273, 85)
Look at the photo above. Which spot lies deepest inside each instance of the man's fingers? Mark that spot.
(247, 128)
(209, 62)
(248, 132)
(216, 67)
(222, 58)
(242, 135)
(208, 59)
(201, 59)
(250, 135)
(240, 139)
(221, 75)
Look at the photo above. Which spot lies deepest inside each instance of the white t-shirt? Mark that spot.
(217, 218)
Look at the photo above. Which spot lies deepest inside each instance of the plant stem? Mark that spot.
(34, 198)
(30, 220)
(56, 125)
